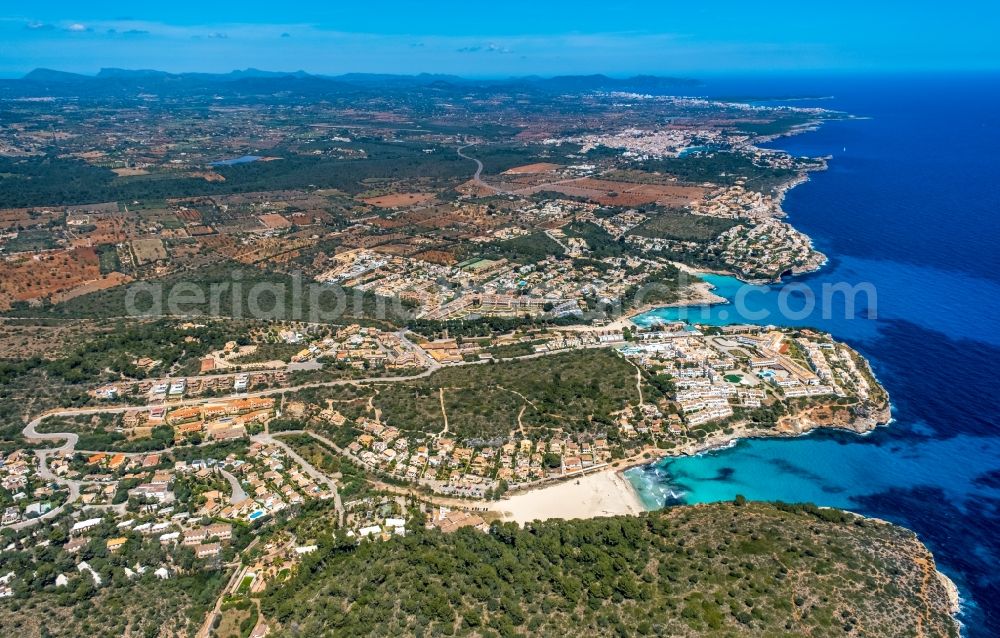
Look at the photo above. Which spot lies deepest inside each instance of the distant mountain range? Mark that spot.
(51, 75)
(114, 80)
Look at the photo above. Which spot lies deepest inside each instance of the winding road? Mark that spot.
(71, 439)
(239, 494)
(527, 190)
(552, 236)
(477, 177)
(267, 439)
(479, 164)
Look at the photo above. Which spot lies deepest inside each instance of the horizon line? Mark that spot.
(685, 75)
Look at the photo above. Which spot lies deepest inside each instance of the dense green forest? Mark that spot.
(227, 289)
(173, 607)
(527, 249)
(600, 243)
(720, 167)
(728, 569)
(40, 181)
(160, 340)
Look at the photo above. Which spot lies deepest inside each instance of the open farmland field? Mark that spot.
(107, 281)
(639, 177)
(442, 257)
(615, 193)
(46, 274)
(628, 194)
(129, 172)
(27, 241)
(110, 229)
(21, 218)
(148, 250)
(473, 188)
(527, 169)
(274, 220)
(399, 199)
(402, 249)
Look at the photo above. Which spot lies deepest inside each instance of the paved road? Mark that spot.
(416, 350)
(551, 236)
(479, 168)
(267, 438)
(239, 494)
(72, 485)
(70, 439)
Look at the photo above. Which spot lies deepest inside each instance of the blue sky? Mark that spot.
(503, 38)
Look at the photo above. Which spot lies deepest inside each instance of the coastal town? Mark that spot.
(233, 458)
(287, 331)
(230, 456)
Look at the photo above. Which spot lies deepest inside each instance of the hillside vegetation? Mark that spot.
(730, 569)
(572, 392)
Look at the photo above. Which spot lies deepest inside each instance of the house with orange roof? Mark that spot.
(227, 434)
(183, 415)
(116, 461)
(250, 404)
(215, 410)
(187, 429)
(260, 415)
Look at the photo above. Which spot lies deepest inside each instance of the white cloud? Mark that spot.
(490, 47)
(76, 27)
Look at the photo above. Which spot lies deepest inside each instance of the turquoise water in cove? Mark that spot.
(909, 208)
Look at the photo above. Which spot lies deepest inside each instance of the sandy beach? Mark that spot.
(698, 293)
(601, 493)
(605, 492)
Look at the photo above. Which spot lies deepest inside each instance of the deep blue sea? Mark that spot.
(910, 205)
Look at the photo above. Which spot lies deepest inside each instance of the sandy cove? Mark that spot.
(601, 493)
(606, 492)
(698, 293)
